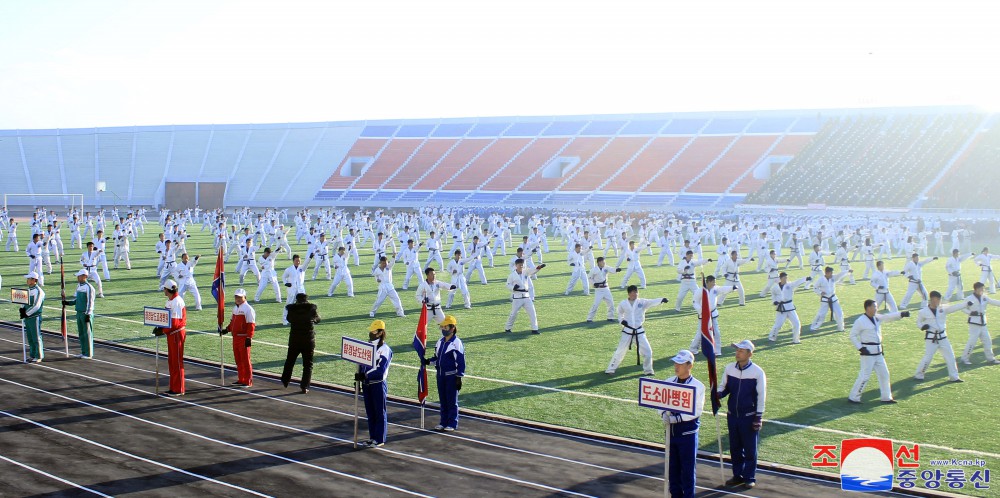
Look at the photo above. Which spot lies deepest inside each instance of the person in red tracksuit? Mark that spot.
(175, 337)
(242, 326)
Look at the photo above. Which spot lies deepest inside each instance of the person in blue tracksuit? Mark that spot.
(374, 387)
(684, 429)
(449, 361)
(746, 385)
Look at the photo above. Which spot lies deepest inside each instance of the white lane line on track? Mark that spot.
(351, 415)
(120, 452)
(410, 367)
(206, 438)
(51, 476)
(721, 412)
(326, 436)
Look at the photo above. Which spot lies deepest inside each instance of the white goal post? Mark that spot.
(37, 200)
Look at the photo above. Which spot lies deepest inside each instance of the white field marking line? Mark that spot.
(326, 436)
(451, 435)
(349, 415)
(60, 479)
(770, 421)
(125, 453)
(206, 438)
(337, 355)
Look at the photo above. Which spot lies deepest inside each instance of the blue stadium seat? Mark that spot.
(451, 130)
(357, 195)
(486, 197)
(415, 131)
(525, 129)
(684, 127)
(328, 195)
(643, 127)
(386, 196)
(652, 200)
(726, 126)
(416, 195)
(564, 128)
(566, 198)
(488, 130)
(609, 199)
(684, 201)
(527, 197)
(448, 197)
(602, 128)
(378, 131)
(771, 124)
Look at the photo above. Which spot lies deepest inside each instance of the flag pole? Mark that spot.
(422, 403)
(62, 288)
(718, 435)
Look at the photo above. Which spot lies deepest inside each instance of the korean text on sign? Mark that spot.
(666, 396)
(355, 351)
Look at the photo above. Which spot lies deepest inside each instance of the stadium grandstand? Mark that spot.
(689, 161)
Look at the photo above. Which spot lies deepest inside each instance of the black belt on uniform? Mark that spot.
(864, 351)
(781, 306)
(935, 336)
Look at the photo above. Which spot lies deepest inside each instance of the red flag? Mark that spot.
(708, 349)
(219, 286)
(420, 345)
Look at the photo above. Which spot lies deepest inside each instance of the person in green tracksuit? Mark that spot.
(31, 313)
(84, 303)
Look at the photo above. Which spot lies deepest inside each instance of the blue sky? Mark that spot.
(118, 63)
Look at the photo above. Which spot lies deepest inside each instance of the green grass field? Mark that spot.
(558, 377)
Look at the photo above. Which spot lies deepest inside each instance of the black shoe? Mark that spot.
(736, 481)
(172, 394)
(890, 401)
(238, 383)
(305, 390)
(284, 384)
(535, 332)
(507, 331)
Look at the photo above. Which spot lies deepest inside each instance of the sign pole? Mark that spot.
(157, 378)
(356, 388)
(24, 344)
(666, 459)
(718, 435)
(422, 404)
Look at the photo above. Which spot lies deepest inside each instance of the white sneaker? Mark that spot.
(371, 315)
(449, 429)
(439, 427)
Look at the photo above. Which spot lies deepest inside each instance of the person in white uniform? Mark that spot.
(577, 271)
(599, 277)
(294, 279)
(782, 298)
(268, 274)
(731, 273)
(518, 283)
(954, 269)
(386, 289)
(975, 307)
(632, 312)
(341, 273)
(932, 320)
(429, 293)
(914, 273)
(685, 275)
(866, 336)
(828, 300)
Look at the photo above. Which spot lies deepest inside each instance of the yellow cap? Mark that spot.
(376, 325)
(449, 320)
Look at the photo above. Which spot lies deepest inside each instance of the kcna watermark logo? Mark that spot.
(870, 465)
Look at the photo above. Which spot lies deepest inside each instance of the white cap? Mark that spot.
(82, 273)
(240, 292)
(683, 356)
(744, 344)
(169, 284)
(32, 274)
